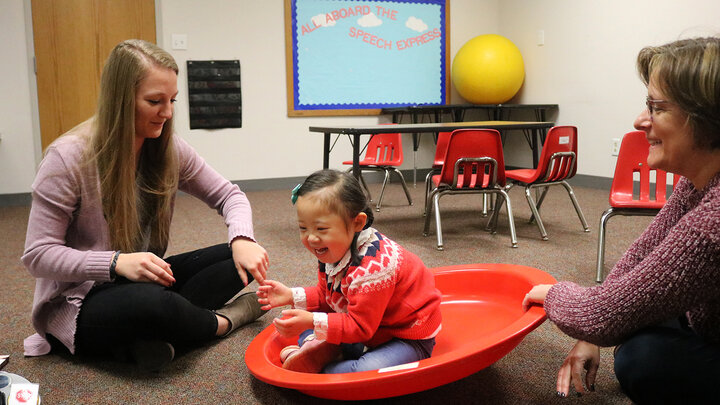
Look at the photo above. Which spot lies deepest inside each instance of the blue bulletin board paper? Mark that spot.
(354, 56)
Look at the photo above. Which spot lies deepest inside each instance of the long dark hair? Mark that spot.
(344, 197)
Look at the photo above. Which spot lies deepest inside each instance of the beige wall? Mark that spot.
(586, 66)
(19, 137)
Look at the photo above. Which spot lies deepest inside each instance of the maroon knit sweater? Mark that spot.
(671, 270)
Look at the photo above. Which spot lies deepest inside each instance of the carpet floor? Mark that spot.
(216, 373)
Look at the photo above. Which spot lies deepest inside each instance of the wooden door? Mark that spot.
(72, 40)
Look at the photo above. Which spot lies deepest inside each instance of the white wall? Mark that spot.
(17, 147)
(586, 66)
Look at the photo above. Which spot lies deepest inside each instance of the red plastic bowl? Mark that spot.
(483, 321)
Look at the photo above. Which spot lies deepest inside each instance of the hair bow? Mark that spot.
(294, 194)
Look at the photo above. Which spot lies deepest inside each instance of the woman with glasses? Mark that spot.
(660, 304)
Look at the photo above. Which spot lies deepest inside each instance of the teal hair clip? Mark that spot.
(294, 195)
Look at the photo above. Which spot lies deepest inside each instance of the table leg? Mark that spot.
(356, 156)
(540, 115)
(534, 146)
(326, 151)
(416, 144)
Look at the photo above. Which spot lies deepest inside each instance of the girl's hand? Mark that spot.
(536, 296)
(274, 294)
(293, 322)
(250, 256)
(583, 357)
(144, 267)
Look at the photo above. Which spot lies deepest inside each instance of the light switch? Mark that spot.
(179, 41)
(541, 37)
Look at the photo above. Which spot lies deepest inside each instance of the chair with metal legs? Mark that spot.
(440, 149)
(631, 190)
(384, 154)
(558, 162)
(473, 164)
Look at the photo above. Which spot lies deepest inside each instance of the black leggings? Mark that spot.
(668, 364)
(113, 315)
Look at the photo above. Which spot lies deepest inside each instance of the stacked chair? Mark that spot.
(558, 162)
(473, 163)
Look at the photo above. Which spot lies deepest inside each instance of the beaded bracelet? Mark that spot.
(113, 274)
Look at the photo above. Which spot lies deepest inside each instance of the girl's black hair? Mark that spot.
(345, 198)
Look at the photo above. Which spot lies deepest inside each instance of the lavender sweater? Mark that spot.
(672, 269)
(67, 247)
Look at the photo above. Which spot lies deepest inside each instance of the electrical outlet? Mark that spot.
(615, 147)
(179, 41)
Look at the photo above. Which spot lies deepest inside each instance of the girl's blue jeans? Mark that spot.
(357, 357)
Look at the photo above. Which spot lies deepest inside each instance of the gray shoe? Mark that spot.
(152, 355)
(241, 311)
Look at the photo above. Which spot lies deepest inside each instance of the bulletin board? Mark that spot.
(354, 57)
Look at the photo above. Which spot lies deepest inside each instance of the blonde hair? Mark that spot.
(136, 200)
(688, 73)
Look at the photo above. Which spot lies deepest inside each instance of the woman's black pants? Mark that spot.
(114, 315)
(669, 364)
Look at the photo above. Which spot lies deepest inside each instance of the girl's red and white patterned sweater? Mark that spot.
(388, 294)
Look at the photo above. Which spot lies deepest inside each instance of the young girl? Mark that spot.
(375, 304)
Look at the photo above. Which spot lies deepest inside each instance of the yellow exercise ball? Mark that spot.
(488, 69)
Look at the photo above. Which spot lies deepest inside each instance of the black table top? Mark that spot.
(455, 107)
(431, 127)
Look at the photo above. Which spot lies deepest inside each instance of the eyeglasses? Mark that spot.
(650, 103)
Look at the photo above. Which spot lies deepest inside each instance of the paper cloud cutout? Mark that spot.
(369, 20)
(416, 24)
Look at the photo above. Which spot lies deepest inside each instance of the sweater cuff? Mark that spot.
(98, 265)
(299, 298)
(320, 325)
(560, 298)
(240, 231)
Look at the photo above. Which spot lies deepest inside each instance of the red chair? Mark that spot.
(626, 198)
(383, 154)
(473, 164)
(440, 149)
(558, 162)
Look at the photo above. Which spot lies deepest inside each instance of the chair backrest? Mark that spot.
(632, 158)
(384, 150)
(558, 159)
(441, 148)
(474, 159)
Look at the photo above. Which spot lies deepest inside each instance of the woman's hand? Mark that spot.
(249, 255)
(274, 294)
(536, 296)
(584, 356)
(144, 267)
(293, 322)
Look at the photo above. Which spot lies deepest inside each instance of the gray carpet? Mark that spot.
(216, 373)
